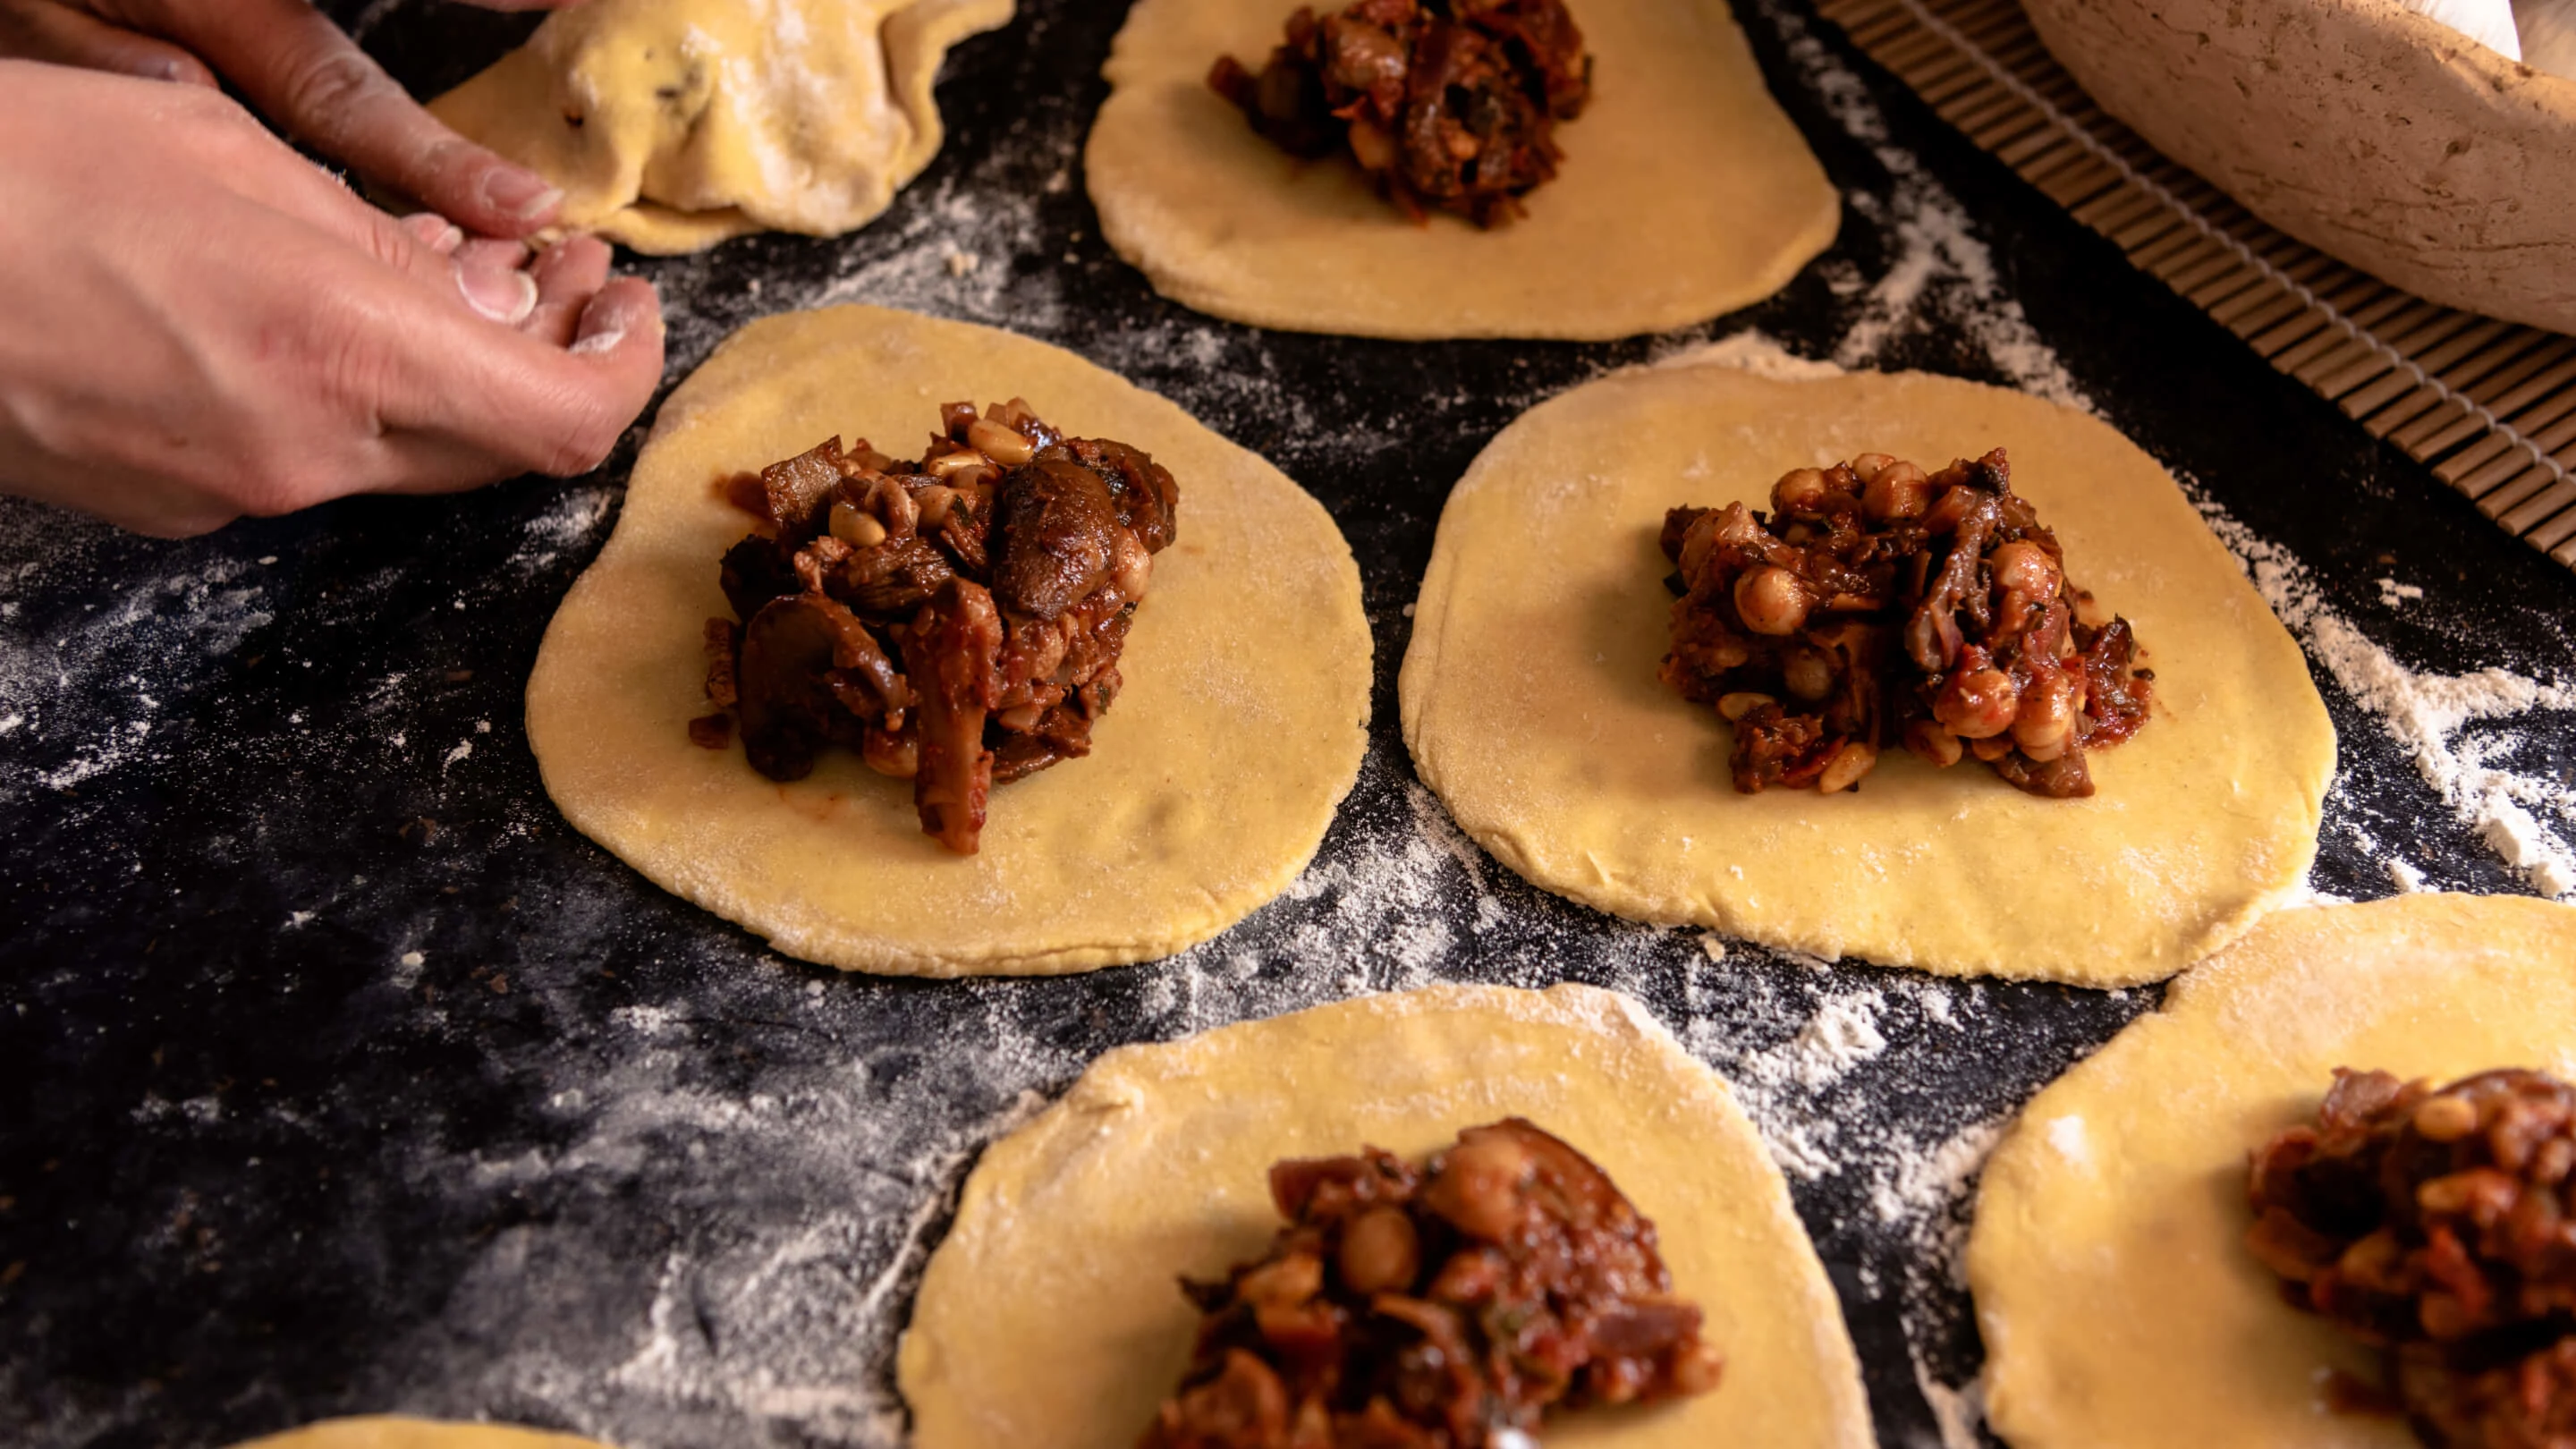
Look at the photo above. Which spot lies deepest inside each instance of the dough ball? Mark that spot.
(388, 1432)
(672, 125)
(1208, 787)
(1684, 191)
(1531, 702)
(2120, 1306)
(1050, 1314)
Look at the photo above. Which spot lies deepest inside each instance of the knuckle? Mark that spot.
(329, 84)
(582, 439)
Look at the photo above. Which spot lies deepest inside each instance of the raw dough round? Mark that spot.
(1531, 703)
(388, 1432)
(1050, 1315)
(2120, 1306)
(1208, 787)
(1685, 192)
(672, 125)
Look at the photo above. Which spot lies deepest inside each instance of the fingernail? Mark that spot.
(504, 296)
(603, 327)
(521, 194)
(434, 231)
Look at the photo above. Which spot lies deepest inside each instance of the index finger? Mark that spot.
(303, 73)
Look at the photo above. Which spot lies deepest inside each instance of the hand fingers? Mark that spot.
(493, 251)
(302, 72)
(568, 274)
(47, 30)
(465, 402)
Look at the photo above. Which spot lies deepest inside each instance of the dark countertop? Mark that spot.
(337, 1074)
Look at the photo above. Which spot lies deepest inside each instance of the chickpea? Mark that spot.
(1809, 674)
(1928, 741)
(1899, 490)
(1801, 490)
(1978, 704)
(1866, 466)
(2023, 567)
(1380, 1252)
(1849, 763)
(2046, 719)
(1478, 1188)
(1771, 601)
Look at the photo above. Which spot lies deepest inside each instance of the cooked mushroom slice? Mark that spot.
(783, 680)
(948, 655)
(1053, 528)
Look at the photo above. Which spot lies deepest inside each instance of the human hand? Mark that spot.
(308, 78)
(197, 323)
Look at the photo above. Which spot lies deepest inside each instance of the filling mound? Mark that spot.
(1879, 603)
(956, 619)
(1446, 1306)
(2435, 1225)
(1448, 105)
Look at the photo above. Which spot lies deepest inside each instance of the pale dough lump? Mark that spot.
(672, 125)
(392, 1432)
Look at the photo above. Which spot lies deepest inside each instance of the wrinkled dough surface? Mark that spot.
(1684, 191)
(393, 1432)
(1531, 702)
(672, 125)
(1209, 784)
(1156, 1163)
(2120, 1307)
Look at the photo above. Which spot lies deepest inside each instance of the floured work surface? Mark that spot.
(1237, 731)
(369, 1086)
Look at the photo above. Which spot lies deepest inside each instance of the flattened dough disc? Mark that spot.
(1531, 703)
(1208, 786)
(391, 1432)
(672, 125)
(1050, 1316)
(1684, 192)
(2120, 1307)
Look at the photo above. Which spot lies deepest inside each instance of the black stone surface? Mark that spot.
(337, 1074)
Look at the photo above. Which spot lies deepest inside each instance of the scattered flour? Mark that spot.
(2429, 714)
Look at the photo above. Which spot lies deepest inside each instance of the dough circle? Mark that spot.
(672, 125)
(1684, 192)
(393, 1432)
(2120, 1307)
(1050, 1315)
(1531, 704)
(1208, 787)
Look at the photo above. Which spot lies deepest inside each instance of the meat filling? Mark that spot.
(1448, 105)
(956, 619)
(2438, 1226)
(1876, 605)
(1435, 1307)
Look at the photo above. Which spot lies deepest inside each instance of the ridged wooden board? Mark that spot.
(2489, 406)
